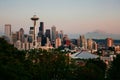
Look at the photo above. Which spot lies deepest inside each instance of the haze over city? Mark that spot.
(71, 16)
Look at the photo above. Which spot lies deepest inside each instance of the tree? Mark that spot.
(37, 64)
(11, 63)
(114, 70)
(94, 69)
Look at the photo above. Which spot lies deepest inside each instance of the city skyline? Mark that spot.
(82, 15)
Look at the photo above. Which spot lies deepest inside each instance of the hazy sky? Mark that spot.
(71, 16)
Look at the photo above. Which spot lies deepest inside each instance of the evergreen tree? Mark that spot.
(114, 70)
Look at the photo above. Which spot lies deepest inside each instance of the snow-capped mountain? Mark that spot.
(101, 35)
(97, 34)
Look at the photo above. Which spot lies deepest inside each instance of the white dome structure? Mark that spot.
(84, 55)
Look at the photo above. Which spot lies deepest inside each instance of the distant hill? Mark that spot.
(97, 34)
(101, 35)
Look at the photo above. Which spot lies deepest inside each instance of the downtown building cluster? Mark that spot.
(51, 38)
(86, 43)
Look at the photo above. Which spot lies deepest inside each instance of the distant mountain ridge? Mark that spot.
(97, 34)
(101, 35)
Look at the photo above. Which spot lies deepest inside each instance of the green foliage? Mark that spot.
(114, 70)
(38, 64)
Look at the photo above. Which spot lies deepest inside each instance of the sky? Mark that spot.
(71, 16)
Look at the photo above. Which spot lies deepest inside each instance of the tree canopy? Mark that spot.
(38, 64)
(114, 70)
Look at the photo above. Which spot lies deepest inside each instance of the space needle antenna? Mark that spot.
(34, 19)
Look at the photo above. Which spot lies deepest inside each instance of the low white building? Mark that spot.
(83, 55)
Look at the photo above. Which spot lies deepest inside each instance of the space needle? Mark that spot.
(34, 18)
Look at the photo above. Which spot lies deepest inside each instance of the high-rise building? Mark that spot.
(18, 35)
(89, 44)
(57, 34)
(41, 37)
(83, 42)
(109, 42)
(14, 37)
(61, 35)
(47, 34)
(95, 46)
(41, 29)
(58, 42)
(21, 34)
(53, 33)
(31, 36)
(78, 42)
(26, 44)
(66, 41)
(48, 43)
(43, 40)
(8, 31)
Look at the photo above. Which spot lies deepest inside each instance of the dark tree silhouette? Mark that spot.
(114, 70)
(38, 64)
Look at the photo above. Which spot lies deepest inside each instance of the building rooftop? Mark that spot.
(84, 55)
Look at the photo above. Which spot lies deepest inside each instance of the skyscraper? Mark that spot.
(95, 46)
(47, 34)
(8, 30)
(89, 44)
(66, 40)
(57, 42)
(31, 36)
(21, 34)
(83, 42)
(41, 29)
(14, 37)
(53, 33)
(43, 40)
(57, 34)
(61, 35)
(109, 42)
(78, 42)
(18, 35)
